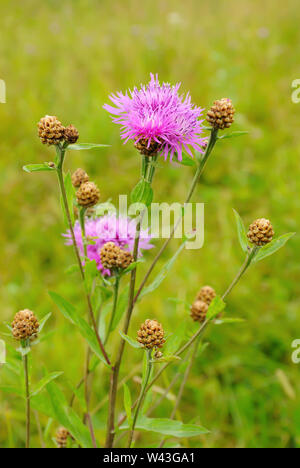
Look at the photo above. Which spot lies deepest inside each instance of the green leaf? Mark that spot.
(216, 306)
(241, 232)
(44, 381)
(186, 160)
(142, 193)
(169, 358)
(56, 406)
(38, 167)
(85, 146)
(168, 427)
(174, 341)
(127, 404)
(163, 273)
(121, 307)
(12, 390)
(91, 272)
(69, 311)
(232, 135)
(272, 247)
(43, 321)
(131, 341)
(229, 320)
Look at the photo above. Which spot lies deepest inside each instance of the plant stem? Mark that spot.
(25, 362)
(141, 396)
(201, 166)
(116, 293)
(116, 368)
(61, 152)
(199, 332)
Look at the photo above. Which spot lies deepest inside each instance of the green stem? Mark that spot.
(25, 362)
(82, 227)
(141, 396)
(211, 143)
(116, 293)
(61, 153)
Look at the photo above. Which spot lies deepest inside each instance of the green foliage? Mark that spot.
(38, 167)
(85, 146)
(168, 427)
(142, 193)
(127, 404)
(272, 247)
(133, 343)
(242, 236)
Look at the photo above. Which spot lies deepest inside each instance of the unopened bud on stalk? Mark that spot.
(221, 114)
(25, 325)
(88, 194)
(260, 232)
(62, 435)
(199, 311)
(124, 259)
(109, 255)
(151, 334)
(79, 177)
(71, 134)
(51, 131)
(206, 294)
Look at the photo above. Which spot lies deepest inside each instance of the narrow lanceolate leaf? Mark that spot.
(12, 390)
(186, 160)
(241, 232)
(273, 246)
(142, 193)
(131, 341)
(85, 146)
(38, 167)
(229, 320)
(127, 404)
(91, 272)
(232, 135)
(43, 321)
(168, 427)
(55, 405)
(121, 307)
(69, 311)
(163, 273)
(168, 358)
(215, 308)
(44, 381)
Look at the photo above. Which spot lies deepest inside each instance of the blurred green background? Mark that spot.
(64, 59)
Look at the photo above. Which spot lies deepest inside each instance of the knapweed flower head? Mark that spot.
(109, 228)
(157, 118)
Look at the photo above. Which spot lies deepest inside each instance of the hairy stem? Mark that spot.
(115, 373)
(116, 293)
(141, 397)
(201, 166)
(25, 362)
(76, 250)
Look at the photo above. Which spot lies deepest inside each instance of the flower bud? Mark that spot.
(147, 149)
(50, 130)
(124, 259)
(62, 435)
(221, 114)
(71, 134)
(109, 255)
(151, 334)
(260, 232)
(198, 311)
(79, 177)
(88, 194)
(25, 325)
(206, 294)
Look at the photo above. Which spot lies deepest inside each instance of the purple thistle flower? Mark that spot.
(158, 113)
(108, 228)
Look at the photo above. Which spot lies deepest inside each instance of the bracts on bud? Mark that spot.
(198, 311)
(79, 177)
(88, 194)
(25, 326)
(221, 114)
(260, 232)
(151, 334)
(61, 437)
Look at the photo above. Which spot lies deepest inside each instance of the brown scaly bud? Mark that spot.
(71, 134)
(151, 334)
(88, 194)
(143, 148)
(124, 259)
(79, 177)
(206, 294)
(25, 325)
(62, 435)
(158, 355)
(221, 114)
(198, 311)
(260, 232)
(51, 131)
(109, 255)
